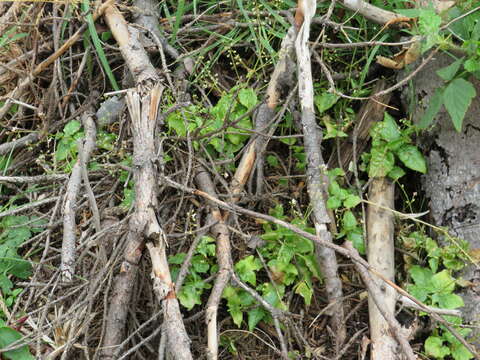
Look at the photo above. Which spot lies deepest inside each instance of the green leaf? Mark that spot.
(429, 26)
(247, 98)
(448, 73)
(396, 173)
(381, 162)
(333, 202)
(351, 201)
(206, 247)
(246, 269)
(421, 276)
(460, 352)
(443, 282)
(189, 296)
(5, 284)
(325, 101)
(472, 65)
(65, 147)
(349, 221)
(272, 161)
(177, 259)
(434, 106)
(412, 158)
(176, 122)
(72, 127)
(457, 98)
(450, 301)
(9, 336)
(200, 264)
(254, 317)
(434, 347)
(237, 316)
(356, 237)
(304, 291)
(388, 128)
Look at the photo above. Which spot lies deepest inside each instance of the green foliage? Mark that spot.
(9, 336)
(14, 231)
(457, 92)
(435, 285)
(389, 142)
(208, 123)
(343, 200)
(202, 265)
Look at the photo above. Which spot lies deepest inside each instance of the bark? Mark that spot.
(452, 182)
(316, 176)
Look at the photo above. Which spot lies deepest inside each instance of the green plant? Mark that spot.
(343, 200)
(390, 142)
(208, 123)
(291, 264)
(202, 264)
(457, 92)
(15, 230)
(67, 146)
(435, 285)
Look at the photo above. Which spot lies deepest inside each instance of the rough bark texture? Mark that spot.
(452, 182)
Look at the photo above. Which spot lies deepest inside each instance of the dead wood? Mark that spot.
(316, 176)
(381, 254)
(69, 208)
(143, 106)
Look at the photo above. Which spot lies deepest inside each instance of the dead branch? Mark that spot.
(143, 107)
(224, 258)
(316, 174)
(381, 251)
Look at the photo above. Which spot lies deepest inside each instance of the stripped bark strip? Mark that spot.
(67, 266)
(316, 177)
(143, 106)
(381, 251)
(224, 258)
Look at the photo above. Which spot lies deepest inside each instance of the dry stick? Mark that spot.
(88, 187)
(370, 12)
(381, 255)
(143, 225)
(341, 250)
(33, 179)
(316, 177)
(16, 93)
(377, 296)
(67, 266)
(224, 257)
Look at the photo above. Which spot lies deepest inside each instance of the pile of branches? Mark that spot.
(101, 285)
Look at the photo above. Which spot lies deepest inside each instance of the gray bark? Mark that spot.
(453, 179)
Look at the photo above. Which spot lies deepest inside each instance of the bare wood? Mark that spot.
(376, 296)
(370, 12)
(381, 250)
(316, 176)
(223, 249)
(68, 259)
(143, 106)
